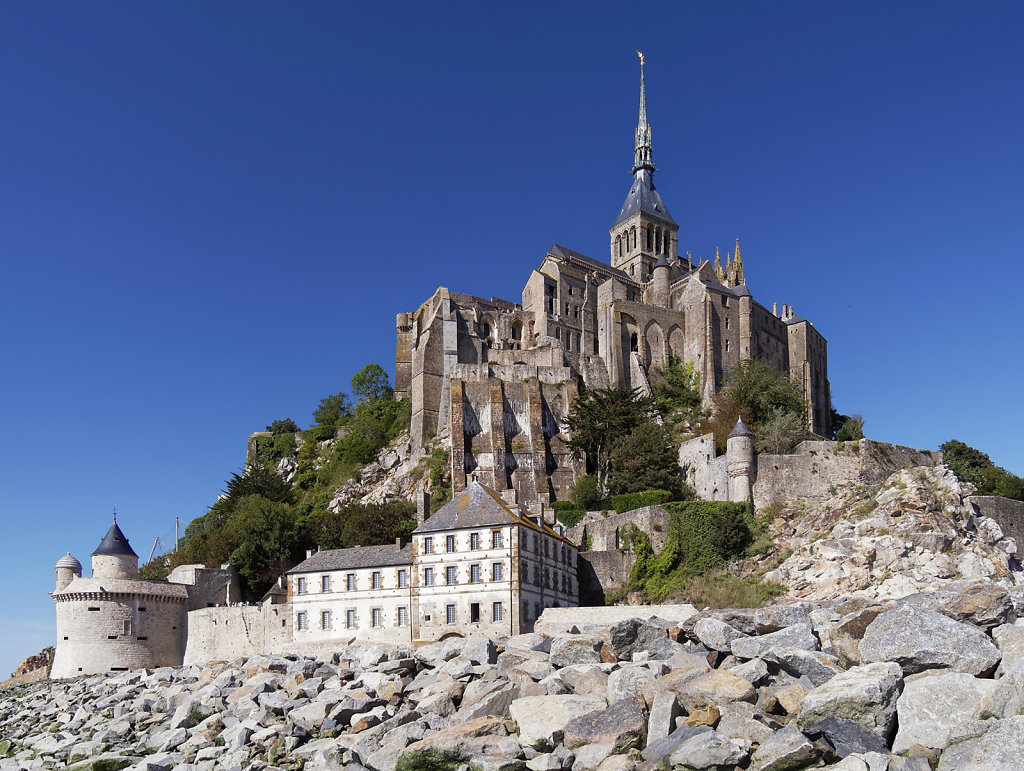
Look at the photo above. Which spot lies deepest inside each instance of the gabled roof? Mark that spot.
(478, 506)
(114, 544)
(356, 557)
(588, 262)
(644, 197)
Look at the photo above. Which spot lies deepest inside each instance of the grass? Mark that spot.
(722, 589)
(430, 760)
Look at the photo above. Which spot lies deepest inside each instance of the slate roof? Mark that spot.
(644, 197)
(114, 544)
(740, 429)
(588, 262)
(477, 506)
(67, 561)
(356, 557)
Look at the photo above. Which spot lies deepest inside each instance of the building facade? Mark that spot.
(502, 375)
(478, 566)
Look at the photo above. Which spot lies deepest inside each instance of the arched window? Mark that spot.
(618, 246)
(650, 239)
(633, 343)
(633, 234)
(657, 241)
(517, 330)
(485, 330)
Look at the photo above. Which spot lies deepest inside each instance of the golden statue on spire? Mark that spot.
(641, 55)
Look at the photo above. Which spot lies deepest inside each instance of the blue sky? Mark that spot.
(210, 214)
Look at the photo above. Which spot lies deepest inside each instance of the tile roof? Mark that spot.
(478, 506)
(356, 557)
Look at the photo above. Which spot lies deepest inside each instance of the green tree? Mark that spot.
(586, 493)
(975, 467)
(780, 433)
(762, 390)
(598, 418)
(333, 410)
(677, 396)
(371, 384)
(257, 480)
(267, 540)
(361, 525)
(850, 428)
(286, 426)
(644, 459)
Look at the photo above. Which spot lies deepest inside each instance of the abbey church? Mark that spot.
(501, 375)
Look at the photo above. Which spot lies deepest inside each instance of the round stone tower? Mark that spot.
(114, 621)
(660, 293)
(114, 557)
(739, 456)
(68, 569)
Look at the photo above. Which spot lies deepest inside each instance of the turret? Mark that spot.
(114, 557)
(68, 569)
(739, 457)
(661, 282)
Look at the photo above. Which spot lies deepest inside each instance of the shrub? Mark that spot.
(430, 760)
(586, 493)
(630, 501)
(568, 514)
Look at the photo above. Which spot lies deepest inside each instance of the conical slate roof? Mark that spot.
(644, 197)
(740, 429)
(114, 544)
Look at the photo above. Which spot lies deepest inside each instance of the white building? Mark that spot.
(477, 566)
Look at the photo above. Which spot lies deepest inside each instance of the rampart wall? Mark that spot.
(233, 632)
(1008, 513)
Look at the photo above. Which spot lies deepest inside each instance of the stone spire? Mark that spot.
(738, 263)
(719, 273)
(642, 153)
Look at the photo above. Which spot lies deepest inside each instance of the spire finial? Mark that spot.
(115, 515)
(642, 156)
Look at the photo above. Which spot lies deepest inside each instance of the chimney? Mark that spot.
(309, 553)
(775, 309)
(398, 542)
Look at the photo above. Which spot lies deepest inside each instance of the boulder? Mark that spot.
(784, 750)
(664, 711)
(630, 681)
(918, 639)
(740, 720)
(816, 666)
(846, 737)
(933, 703)
(799, 636)
(623, 725)
(463, 739)
(716, 635)
(866, 694)
(714, 688)
(541, 718)
(655, 753)
(1001, 747)
(634, 635)
(847, 634)
(710, 751)
(1009, 638)
(570, 649)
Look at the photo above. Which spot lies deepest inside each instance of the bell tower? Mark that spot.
(644, 229)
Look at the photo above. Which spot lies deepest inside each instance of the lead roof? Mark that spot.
(114, 544)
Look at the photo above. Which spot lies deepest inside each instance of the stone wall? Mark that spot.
(557, 620)
(1007, 512)
(602, 573)
(810, 473)
(602, 528)
(233, 632)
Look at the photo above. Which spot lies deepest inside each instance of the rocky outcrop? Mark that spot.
(918, 533)
(758, 689)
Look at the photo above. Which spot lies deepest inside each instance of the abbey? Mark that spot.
(501, 375)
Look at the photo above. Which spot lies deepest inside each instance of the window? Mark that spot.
(350, 582)
(496, 540)
(300, 620)
(300, 585)
(536, 610)
(350, 619)
(325, 583)
(726, 323)
(547, 577)
(403, 616)
(474, 613)
(376, 579)
(449, 614)
(474, 574)
(536, 543)
(377, 617)
(428, 576)
(126, 626)
(474, 541)
(727, 345)
(449, 575)
(567, 309)
(428, 545)
(496, 612)
(449, 543)
(497, 574)
(401, 579)
(325, 620)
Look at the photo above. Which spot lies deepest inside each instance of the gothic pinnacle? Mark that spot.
(642, 155)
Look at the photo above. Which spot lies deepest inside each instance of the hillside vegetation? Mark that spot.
(263, 522)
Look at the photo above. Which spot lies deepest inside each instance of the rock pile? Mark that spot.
(929, 681)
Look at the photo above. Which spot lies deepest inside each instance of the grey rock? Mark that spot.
(716, 635)
(540, 718)
(740, 720)
(866, 694)
(664, 711)
(799, 636)
(708, 750)
(569, 649)
(785, 749)
(591, 756)
(816, 666)
(932, 704)
(629, 681)
(847, 634)
(755, 670)
(846, 736)
(623, 725)
(919, 639)
(655, 752)
(634, 635)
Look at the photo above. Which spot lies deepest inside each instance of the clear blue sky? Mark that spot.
(210, 214)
